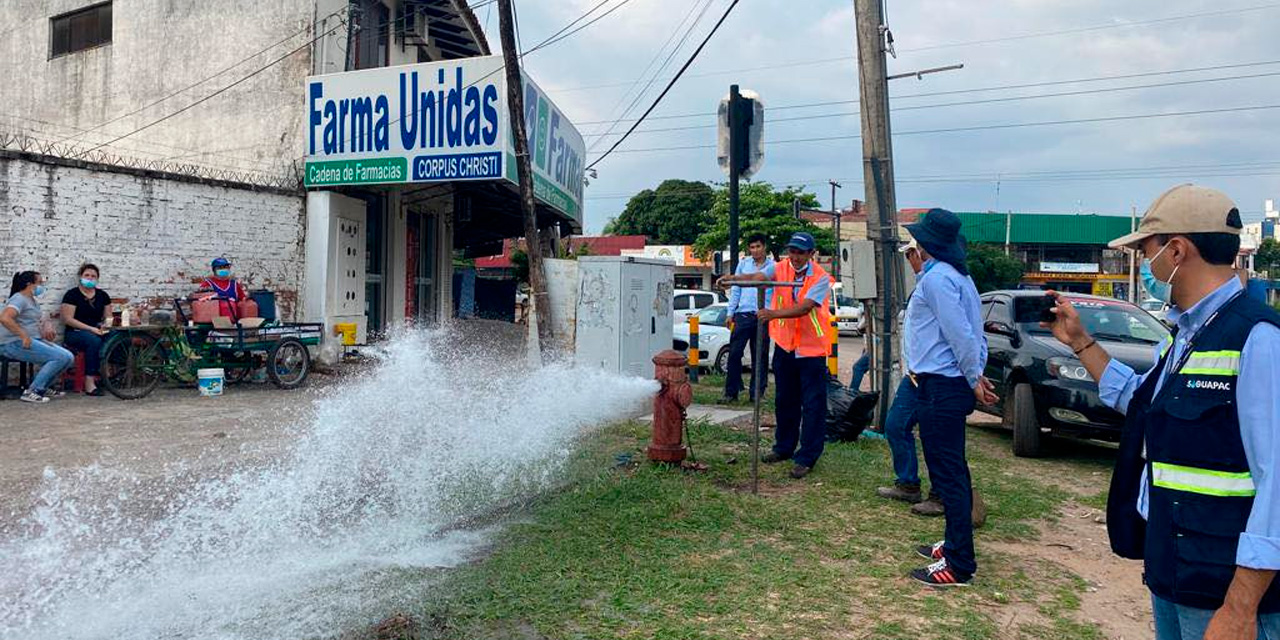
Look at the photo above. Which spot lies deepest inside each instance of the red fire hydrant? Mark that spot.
(669, 406)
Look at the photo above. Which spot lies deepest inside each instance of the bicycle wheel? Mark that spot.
(289, 363)
(133, 365)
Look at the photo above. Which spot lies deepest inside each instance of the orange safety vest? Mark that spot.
(807, 335)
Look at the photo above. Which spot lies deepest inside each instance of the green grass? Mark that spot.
(643, 551)
(710, 389)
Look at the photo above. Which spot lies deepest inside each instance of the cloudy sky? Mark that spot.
(799, 52)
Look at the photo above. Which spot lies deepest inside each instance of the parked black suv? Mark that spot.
(1044, 389)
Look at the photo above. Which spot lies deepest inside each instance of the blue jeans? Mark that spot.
(744, 334)
(53, 358)
(801, 406)
(88, 343)
(1176, 622)
(898, 429)
(943, 405)
(860, 369)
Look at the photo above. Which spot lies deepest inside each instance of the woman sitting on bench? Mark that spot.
(84, 309)
(27, 337)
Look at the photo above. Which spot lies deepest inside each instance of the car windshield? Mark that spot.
(713, 315)
(1104, 320)
(846, 301)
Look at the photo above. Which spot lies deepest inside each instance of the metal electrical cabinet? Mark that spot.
(624, 312)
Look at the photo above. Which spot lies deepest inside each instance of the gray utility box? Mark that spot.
(624, 313)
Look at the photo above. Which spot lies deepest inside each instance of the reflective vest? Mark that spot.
(807, 336)
(1200, 488)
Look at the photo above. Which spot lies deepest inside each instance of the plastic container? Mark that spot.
(266, 303)
(247, 308)
(210, 381)
(203, 310)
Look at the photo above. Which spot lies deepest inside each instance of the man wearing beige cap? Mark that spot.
(1196, 488)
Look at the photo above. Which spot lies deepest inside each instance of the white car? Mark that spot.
(848, 314)
(1153, 305)
(686, 302)
(713, 338)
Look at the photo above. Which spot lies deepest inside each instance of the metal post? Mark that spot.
(1133, 257)
(877, 153)
(835, 215)
(695, 353)
(757, 376)
(735, 165)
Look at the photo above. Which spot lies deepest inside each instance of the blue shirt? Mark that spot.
(817, 293)
(745, 301)
(943, 331)
(1258, 402)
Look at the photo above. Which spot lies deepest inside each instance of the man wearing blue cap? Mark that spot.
(799, 323)
(945, 357)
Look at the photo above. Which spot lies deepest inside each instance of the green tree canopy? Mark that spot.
(991, 269)
(674, 213)
(762, 209)
(1268, 257)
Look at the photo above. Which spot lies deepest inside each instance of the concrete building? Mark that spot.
(1255, 232)
(137, 136)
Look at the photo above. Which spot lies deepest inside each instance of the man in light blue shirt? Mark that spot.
(1196, 491)
(743, 305)
(945, 356)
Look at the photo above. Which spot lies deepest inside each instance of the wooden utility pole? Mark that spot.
(524, 170)
(877, 171)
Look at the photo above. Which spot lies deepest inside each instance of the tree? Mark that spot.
(991, 269)
(674, 213)
(762, 209)
(1268, 257)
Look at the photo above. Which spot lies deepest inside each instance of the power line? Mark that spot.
(670, 84)
(202, 80)
(657, 72)
(550, 41)
(984, 101)
(1028, 85)
(1014, 125)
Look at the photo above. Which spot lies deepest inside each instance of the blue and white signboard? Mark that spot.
(437, 122)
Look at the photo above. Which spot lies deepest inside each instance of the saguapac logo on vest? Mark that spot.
(1209, 385)
(440, 121)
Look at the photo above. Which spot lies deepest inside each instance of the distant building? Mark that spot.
(1255, 232)
(692, 272)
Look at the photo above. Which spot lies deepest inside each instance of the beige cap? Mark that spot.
(1186, 208)
(908, 245)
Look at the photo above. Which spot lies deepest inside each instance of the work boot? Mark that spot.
(930, 508)
(905, 492)
(727, 400)
(772, 457)
(800, 471)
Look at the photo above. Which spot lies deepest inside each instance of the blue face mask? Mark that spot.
(39, 290)
(223, 273)
(1162, 291)
(88, 284)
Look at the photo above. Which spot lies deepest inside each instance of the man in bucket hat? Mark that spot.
(798, 320)
(1196, 488)
(945, 354)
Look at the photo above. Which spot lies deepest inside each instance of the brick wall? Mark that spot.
(152, 234)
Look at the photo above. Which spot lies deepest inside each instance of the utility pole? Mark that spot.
(533, 242)
(877, 170)
(835, 215)
(1133, 256)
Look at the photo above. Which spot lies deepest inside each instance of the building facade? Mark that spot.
(153, 136)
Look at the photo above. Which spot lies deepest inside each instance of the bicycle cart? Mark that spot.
(135, 360)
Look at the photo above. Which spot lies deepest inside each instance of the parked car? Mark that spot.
(848, 314)
(686, 302)
(713, 338)
(1152, 305)
(1044, 389)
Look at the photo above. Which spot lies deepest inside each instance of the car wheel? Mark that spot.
(722, 361)
(1020, 413)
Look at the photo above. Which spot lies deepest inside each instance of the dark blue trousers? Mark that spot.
(898, 430)
(801, 403)
(744, 336)
(87, 343)
(944, 403)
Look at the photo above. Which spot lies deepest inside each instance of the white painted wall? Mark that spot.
(326, 265)
(152, 237)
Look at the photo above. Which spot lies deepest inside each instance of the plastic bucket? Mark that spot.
(210, 381)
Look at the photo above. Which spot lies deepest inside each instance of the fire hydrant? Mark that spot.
(669, 407)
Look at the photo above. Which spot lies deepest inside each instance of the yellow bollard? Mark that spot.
(694, 349)
(833, 362)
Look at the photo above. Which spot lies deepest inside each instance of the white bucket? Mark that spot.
(210, 382)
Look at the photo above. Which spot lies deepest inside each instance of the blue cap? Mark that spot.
(801, 241)
(221, 262)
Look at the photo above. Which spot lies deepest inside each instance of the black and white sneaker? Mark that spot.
(52, 393)
(938, 575)
(31, 396)
(931, 551)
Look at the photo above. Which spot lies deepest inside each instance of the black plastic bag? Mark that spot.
(848, 411)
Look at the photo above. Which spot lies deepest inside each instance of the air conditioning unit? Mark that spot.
(411, 23)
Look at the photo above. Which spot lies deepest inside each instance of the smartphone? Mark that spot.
(1045, 306)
